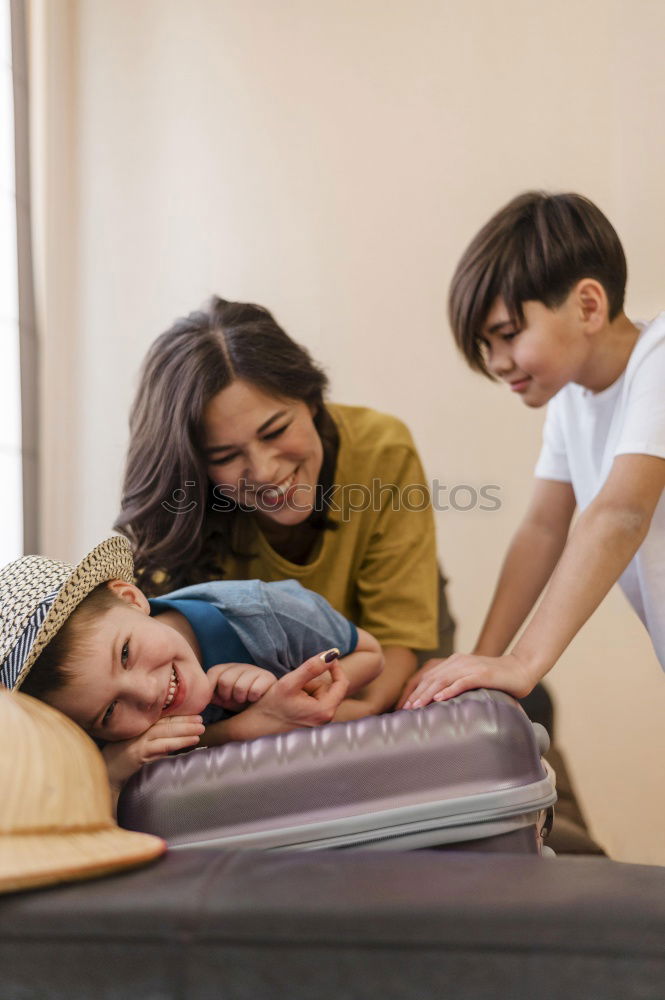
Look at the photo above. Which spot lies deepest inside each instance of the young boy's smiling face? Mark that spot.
(541, 356)
(131, 671)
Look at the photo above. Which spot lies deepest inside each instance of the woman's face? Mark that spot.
(263, 451)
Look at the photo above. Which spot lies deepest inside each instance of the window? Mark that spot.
(11, 474)
(18, 341)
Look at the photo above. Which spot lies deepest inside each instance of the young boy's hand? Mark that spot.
(234, 685)
(444, 679)
(172, 732)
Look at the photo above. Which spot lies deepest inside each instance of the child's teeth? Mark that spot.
(171, 692)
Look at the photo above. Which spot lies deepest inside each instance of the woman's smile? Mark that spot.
(263, 452)
(279, 493)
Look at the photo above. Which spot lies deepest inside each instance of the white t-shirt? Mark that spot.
(583, 433)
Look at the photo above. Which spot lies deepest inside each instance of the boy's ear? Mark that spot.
(591, 299)
(130, 594)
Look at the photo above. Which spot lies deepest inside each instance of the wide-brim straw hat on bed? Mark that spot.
(55, 820)
(37, 596)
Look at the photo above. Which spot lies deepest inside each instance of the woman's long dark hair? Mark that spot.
(168, 511)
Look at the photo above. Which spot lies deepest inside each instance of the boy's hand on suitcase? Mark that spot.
(444, 679)
(171, 732)
(234, 685)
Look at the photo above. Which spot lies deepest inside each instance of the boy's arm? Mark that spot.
(363, 664)
(381, 693)
(533, 553)
(605, 539)
(532, 556)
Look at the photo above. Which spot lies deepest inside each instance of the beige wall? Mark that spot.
(330, 159)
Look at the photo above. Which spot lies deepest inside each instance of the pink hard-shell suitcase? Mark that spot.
(464, 774)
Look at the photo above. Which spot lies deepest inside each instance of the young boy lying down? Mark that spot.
(219, 661)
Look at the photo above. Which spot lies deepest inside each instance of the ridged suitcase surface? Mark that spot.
(465, 771)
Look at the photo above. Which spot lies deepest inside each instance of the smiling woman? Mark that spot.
(238, 469)
(273, 459)
(217, 392)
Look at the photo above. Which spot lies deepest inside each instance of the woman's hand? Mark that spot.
(292, 702)
(361, 667)
(307, 696)
(444, 679)
(414, 680)
(234, 685)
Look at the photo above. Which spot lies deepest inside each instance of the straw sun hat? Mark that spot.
(55, 820)
(37, 596)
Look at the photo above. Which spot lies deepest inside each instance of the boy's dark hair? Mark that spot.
(49, 672)
(536, 248)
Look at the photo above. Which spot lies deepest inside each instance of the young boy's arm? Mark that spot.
(382, 692)
(529, 563)
(604, 540)
(363, 664)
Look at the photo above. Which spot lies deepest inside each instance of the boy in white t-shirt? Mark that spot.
(537, 301)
